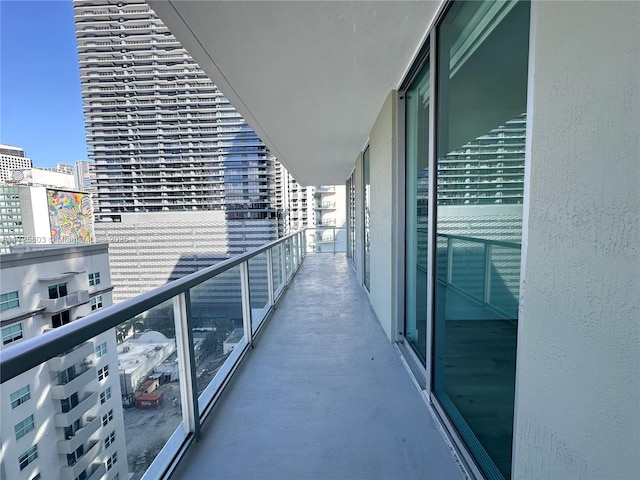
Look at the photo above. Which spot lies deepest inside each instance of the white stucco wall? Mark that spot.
(578, 378)
(382, 149)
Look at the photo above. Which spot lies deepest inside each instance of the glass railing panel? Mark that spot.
(216, 322)
(294, 251)
(442, 254)
(287, 258)
(150, 387)
(258, 289)
(467, 270)
(278, 277)
(504, 285)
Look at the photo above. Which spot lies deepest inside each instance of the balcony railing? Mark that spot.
(326, 239)
(72, 299)
(484, 270)
(205, 322)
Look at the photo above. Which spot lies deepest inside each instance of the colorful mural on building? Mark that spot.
(70, 217)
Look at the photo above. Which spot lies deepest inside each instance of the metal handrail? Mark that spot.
(32, 352)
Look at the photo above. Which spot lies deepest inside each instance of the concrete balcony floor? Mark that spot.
(323, 395)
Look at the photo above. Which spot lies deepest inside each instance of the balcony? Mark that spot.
(322, 393)
(325, 206)
(58, 392)
(73, 357)
(80, 437)
(81, 465)
(72, 299)
(63, 419)
(97, 471)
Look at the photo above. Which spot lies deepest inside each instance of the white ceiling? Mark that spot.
(309, 76)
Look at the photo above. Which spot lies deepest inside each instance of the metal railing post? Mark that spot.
(186, 362)
(449, 260)
(246, 301)
(334, 240)
(488, 250)
(270, 285)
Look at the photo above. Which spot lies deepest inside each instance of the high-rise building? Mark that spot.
(64, 418)
(180, 179)
(84, 176)
(11, 159)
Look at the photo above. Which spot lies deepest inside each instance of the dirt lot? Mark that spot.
(147, 430)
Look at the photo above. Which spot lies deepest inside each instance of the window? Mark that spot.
(24, 427)
(110, 439)
(11, 333)
(36, 476)
(96, 302)
(69, 403)
(70, 430)
(111, 461)
(106, 395)
(28, 457)
(478, 221)
(9, 300)
(418, 101)
(58, 291)
(107, 417)
(67, 375)
(366, 203)
(82, 476)
(94, 278)
(60, 319)
(103, 373)
(101, 349)
(19, 397)
(72, 458)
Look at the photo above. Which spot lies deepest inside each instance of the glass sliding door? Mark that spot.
(417, 202)
(481, 115)
(366, 167)
(351, 218)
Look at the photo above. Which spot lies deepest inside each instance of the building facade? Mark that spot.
(62, 419)
(12, 158)
(179, 175)
(41, 215)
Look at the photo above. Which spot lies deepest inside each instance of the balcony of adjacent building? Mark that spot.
(71, 299)
(325, 205)
(310, 389)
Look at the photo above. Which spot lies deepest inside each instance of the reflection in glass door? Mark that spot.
(417, 202)
(482, 90)
(366, 163)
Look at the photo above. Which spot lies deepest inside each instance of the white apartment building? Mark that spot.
(62, 419)
(84, 175)
(12, 158)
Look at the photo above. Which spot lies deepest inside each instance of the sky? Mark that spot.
(40, 96)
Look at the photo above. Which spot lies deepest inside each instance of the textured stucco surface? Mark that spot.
(382, 148)
(578, 391)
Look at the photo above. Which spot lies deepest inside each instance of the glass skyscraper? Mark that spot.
(181, 180)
